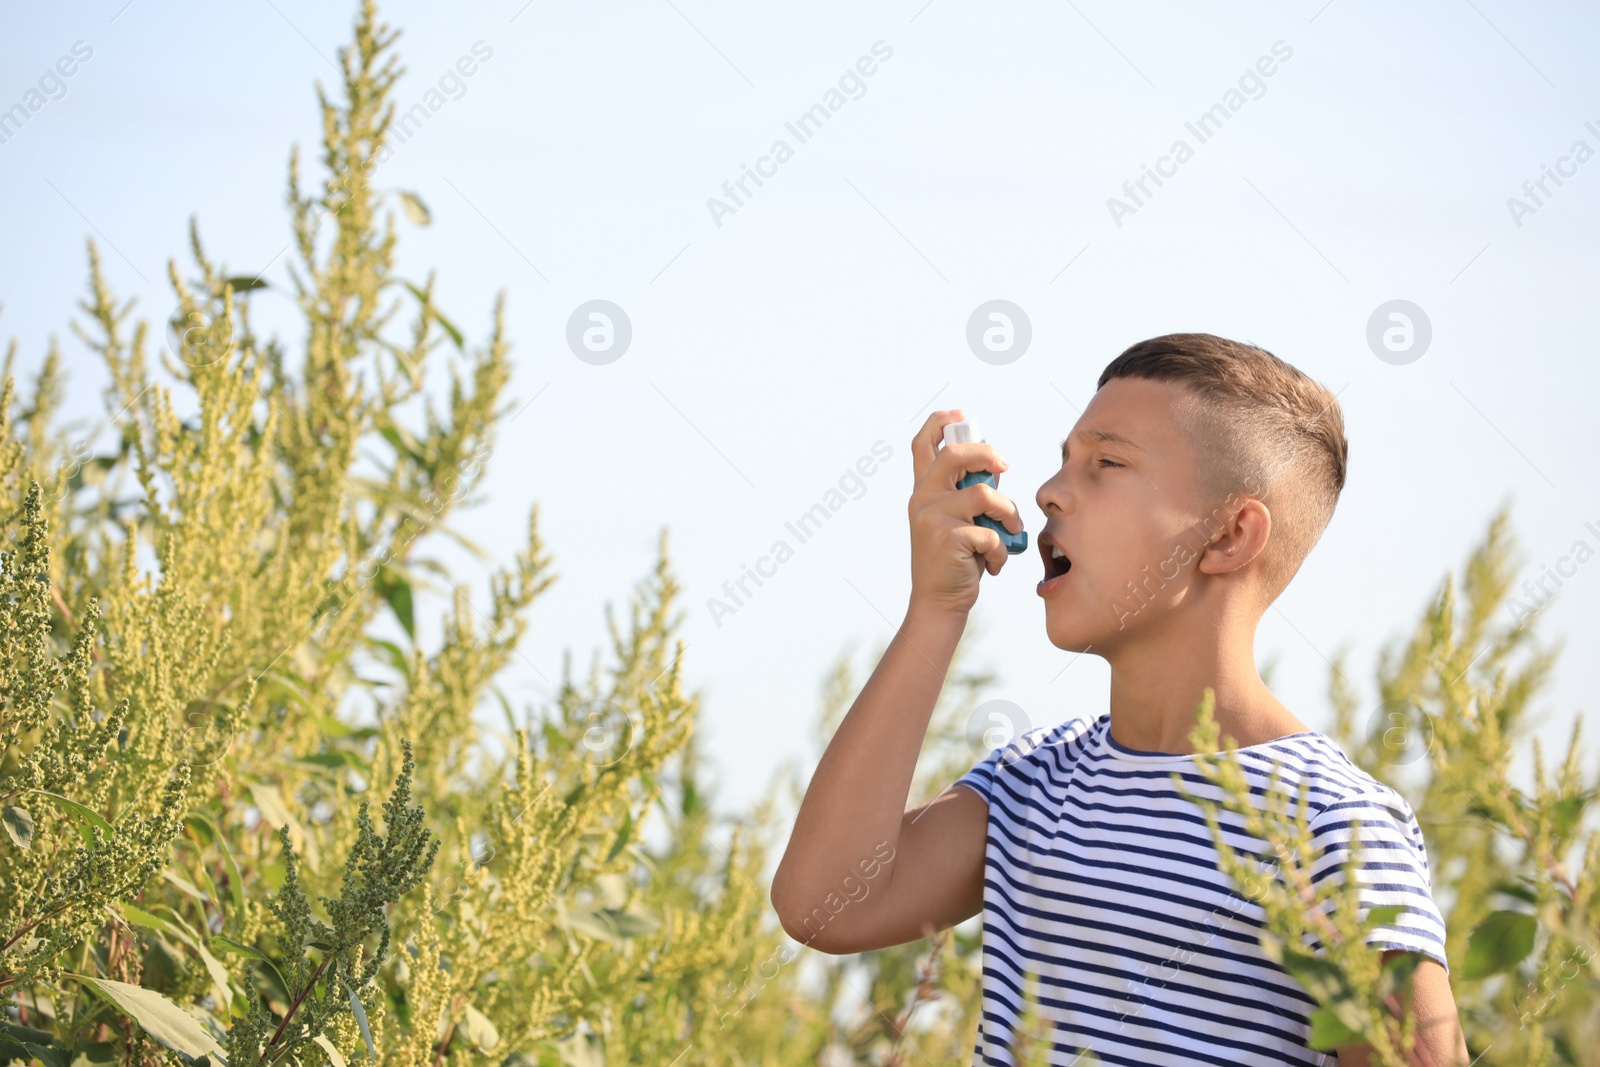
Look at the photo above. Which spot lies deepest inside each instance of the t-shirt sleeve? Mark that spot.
(980, 779)
(1000, 760)
(1393, 871)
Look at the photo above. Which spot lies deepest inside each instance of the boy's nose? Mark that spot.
(1053, 493)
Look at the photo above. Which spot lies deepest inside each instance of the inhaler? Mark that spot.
(965, 432)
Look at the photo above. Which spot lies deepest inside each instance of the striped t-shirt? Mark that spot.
(1102, 881)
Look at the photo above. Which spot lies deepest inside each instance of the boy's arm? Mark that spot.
(855, 809)
(860, 871)
(1439, 1039)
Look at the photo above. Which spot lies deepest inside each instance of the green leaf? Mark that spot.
(296, 689)
(393, 655)
(22, 1033)
(137, 916)
(219, 943)
(438, 316)
(1384, 915)
(334, 728)
(505, 706)
(1397, 972)
(1328, 1033)
(215, 891)
(557, 741)
(163, 1020)
(219, 977)
(622, 838)
(581, 1050)
(450, 328)
(92, 471)
(1519, 891)
(235, 882)
(49, 1055)
(415, 208)
(610, 924)
(204, 831)
(23, 1044)
(1317, 975)
(86, 817)
(331, 726)
(223, 943)
(465, 542)
(397, 591)
(214, 967)
(333, 759)
(477, 1029)
(273, 873)
(403, 440)
(270, 803)
(334, 1056)
(244, 284)
(19, 824)
(27, 1051)
(1567, 813)
(1500, 942)
(97, 1052)
(192, 937)
(412, 369)
(183, 883)
(361, 1021)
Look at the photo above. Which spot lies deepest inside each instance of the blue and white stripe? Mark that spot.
(1102, 881)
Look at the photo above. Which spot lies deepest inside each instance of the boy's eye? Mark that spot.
(1105, 461)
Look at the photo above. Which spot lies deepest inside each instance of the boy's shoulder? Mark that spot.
(1072, 735)
(1344, 802)
(1334, 781)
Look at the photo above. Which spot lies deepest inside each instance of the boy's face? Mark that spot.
(1123, 510)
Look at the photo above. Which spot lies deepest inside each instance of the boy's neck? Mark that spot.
(1156, 685)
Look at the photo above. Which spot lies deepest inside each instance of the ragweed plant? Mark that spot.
(1036, 1036)
(1317, 930)
(1517, 869)
(209, 657)
(378, 872)
(1514, 870)
(56, 772)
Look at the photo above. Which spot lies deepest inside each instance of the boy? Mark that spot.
(1191, 489)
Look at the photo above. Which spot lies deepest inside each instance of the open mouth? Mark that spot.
(1056, 562)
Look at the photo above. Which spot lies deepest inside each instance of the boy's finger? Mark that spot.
(962, 459)
(979, 499)
(925, 446)
(986, 546)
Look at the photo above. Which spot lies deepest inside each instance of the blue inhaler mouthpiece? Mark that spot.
(965, 432)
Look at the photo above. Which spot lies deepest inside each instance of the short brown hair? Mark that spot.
(1257, 424)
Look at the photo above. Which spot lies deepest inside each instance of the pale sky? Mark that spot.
(970, 156)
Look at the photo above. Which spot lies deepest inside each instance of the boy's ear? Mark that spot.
(1241, 540)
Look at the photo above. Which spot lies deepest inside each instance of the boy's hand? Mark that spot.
(948, 551)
